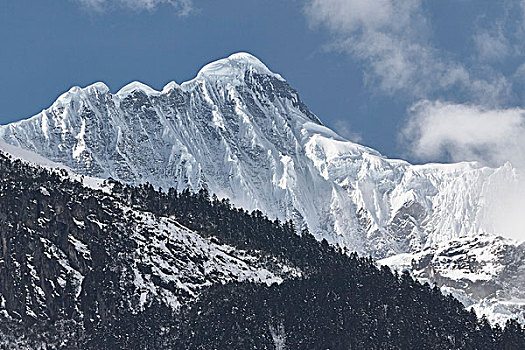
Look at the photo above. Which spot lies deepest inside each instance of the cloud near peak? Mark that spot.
(395, 41)
(391, 39)
(457, 132)
(402, 54)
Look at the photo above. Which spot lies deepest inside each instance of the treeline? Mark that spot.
(340, 301)
(211, 217)
(344, 301)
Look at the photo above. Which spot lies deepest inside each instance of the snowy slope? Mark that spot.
(160, 243)
(241, 131)
(486, 273)
(163, 262)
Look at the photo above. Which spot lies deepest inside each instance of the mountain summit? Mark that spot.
(235, 65)
(240, 131)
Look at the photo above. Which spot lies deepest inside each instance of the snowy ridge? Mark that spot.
(243, 133)
(32, 159)
(29, 156)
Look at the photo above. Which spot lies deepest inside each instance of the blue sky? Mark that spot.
(422, 80)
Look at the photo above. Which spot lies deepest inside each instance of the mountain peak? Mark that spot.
(229, 68)
(233, 65)
(136, 86)
(75, 92)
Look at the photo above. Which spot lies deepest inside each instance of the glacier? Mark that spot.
(242, 132)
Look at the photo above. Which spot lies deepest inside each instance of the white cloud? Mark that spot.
(390, 37)
(393, 39)
(502, 206)
(351, 15)
(440, 130)
(184, 7)
(448, 131)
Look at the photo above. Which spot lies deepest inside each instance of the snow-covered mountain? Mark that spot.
(242, 132)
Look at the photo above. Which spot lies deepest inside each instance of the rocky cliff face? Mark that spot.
(242, 132)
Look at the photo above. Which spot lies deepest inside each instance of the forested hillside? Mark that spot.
(133, 267)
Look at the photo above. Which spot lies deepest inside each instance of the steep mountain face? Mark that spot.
(90, 264)
(242, 132)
